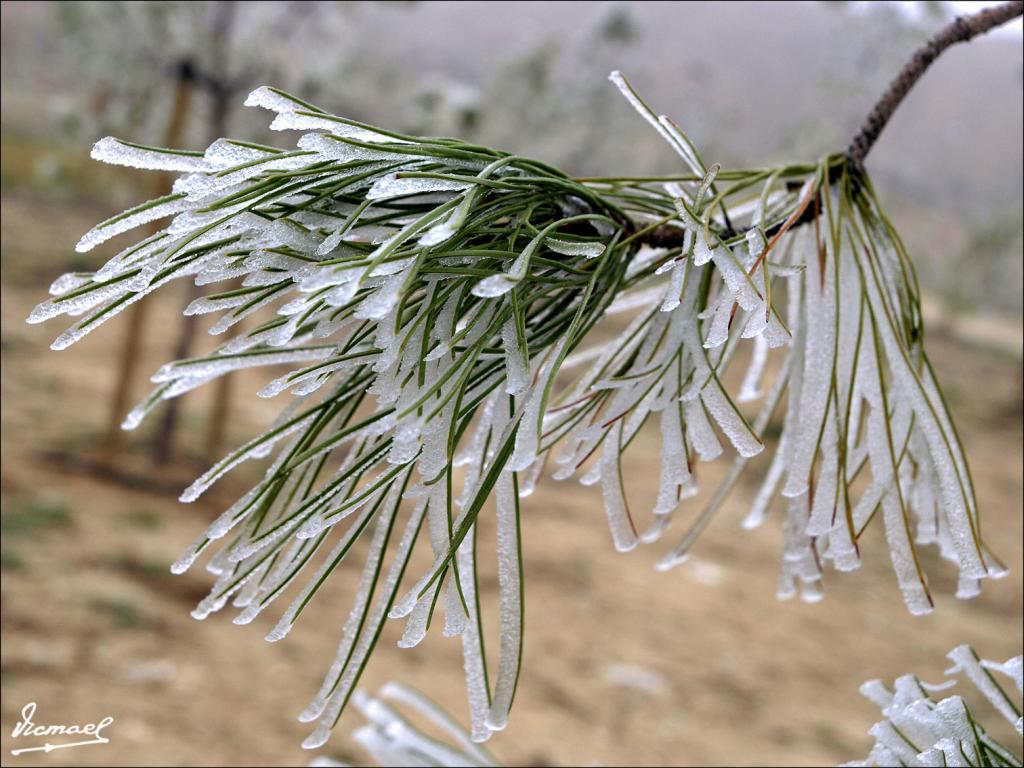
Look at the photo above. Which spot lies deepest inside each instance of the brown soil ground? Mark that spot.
(94, 624)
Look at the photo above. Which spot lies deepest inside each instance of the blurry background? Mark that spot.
(623, 665)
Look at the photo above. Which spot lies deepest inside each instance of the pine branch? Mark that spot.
(426, 294)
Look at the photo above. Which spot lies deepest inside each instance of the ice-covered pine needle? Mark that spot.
(918, 730)
(432, 304)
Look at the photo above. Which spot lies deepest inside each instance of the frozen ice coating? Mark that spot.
(118, 152)
(675, 470)
(442, 317)
(750, 388)
(721, 319)
(568, 248)
(699, 432)
(134, 217)
(363, 622)
(517, 372)
(225, 153)
(965, 660)
(438, 233)
(226, 363)
(737, 280)
(292, 121)
(509, 578)
(915, 593)
(815, 392)
(393, 693)
(494, 286)
(702, 252)
(825, 494)
(731, 422)
(275, 100)
(331, 147)
(381, 301)
(335, 126)
(623, 532)
(69, 282)
(921, 729)
(634, 100)
(394, 185)
(86, 295)
(197, 187)
(472, 650)
(1012, 668)
(675, 287)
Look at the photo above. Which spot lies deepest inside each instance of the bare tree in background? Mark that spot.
(211, 51)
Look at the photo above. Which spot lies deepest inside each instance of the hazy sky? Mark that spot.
(973, 6)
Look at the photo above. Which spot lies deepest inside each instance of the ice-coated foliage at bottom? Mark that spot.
(431, 737)
(920, 730)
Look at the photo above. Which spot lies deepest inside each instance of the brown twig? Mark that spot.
(960, 30)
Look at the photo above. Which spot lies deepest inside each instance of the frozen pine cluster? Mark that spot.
(918, 730)
(432, 309)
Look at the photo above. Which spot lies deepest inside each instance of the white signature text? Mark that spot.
(27, 727)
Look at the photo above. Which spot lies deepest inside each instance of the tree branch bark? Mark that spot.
(960, 30)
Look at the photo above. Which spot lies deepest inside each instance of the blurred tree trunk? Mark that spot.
(221, 406)
(129, 360)
(163, 442)
(219, 412)
(217, 85)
